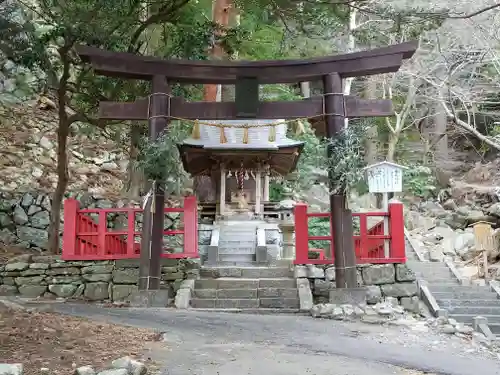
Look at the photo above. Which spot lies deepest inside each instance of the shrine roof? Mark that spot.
(259, 135)
(205, 151)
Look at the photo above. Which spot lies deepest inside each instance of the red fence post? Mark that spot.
(397, 232)
(301, 234)
(130, 232)
(71, 207)
(190, 225)
(102, 227)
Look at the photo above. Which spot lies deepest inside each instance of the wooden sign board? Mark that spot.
(385, 177)
(483, 236)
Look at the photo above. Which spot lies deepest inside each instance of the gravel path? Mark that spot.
(211, 343)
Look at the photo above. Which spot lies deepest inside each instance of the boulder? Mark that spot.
(126, 276)
(96, 291)
(379, 274)
(63, 290)
(399, 290)
(404, 273)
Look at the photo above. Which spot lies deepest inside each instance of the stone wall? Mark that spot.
(394, 282)
(113, 281)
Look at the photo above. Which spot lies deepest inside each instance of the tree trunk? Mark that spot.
(135, 175)
(371, 141)
(391, 146)
(305, 89)
(440, 137)
(62, 154)
(203, 186)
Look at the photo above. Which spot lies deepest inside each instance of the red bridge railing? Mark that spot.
(87, 239)
(369, 244)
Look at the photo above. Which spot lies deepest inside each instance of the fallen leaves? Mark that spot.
(59, 342)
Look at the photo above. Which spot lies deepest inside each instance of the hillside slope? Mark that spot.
(28, 155)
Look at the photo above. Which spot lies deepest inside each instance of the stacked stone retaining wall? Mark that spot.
(111, 281)
(396, 282)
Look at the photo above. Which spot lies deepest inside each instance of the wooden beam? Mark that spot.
(126, 65)
(307, 108)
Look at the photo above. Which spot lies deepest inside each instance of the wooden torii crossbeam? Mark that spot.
(333, 106)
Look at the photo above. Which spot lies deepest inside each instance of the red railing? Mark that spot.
(369, 244)
(86, 239)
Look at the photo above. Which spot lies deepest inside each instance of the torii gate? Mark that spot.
(160, 106)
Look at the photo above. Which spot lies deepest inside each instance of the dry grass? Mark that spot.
(59, 342)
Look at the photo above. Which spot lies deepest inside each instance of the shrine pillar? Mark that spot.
(266, 186)
(222, 198)
(258, 190)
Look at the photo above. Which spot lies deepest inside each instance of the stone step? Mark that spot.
(241, 283)
(468, 318)
(239, 231)
(451, 303)
(429, 272)
(225, 303)
(279, 303)
(449, 282)
(259, 311)
(476, 310)
(263, 293)
(247, 272)
(226, 264)
(237, 258)
(495, 328)
(427, 265)
(277, 293)
(464, 295)
(441, 280)
(246, 303)
(226, 293)
(438, 288)
(237, 240)
(236, 250)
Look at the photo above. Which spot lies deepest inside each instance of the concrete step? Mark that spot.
(247, 272)
(468, 318)
(464, 295)
(237, 258)
(475, 310)
(451, 303)
(225, 303)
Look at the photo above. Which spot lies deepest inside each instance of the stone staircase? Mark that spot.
(246, 288)
(463, 303)
(238, 243)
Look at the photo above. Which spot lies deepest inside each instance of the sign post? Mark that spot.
(385, 177)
